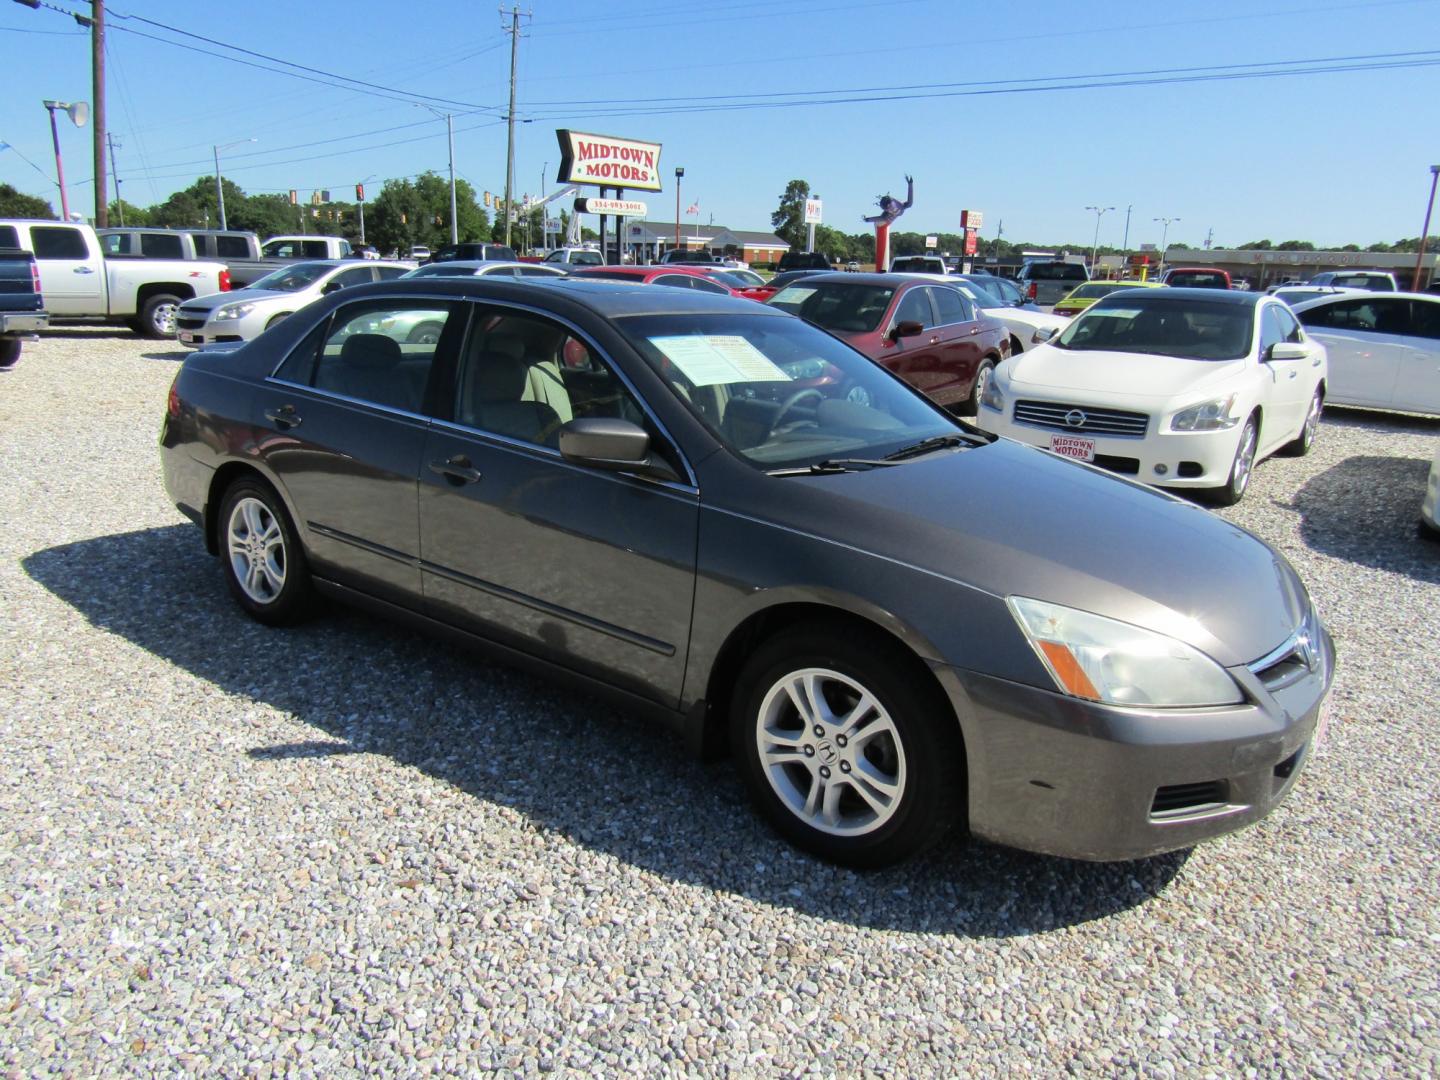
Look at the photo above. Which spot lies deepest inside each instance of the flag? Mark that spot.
(694, 207)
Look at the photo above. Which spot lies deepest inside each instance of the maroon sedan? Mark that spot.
(704, 278)
(926, 332)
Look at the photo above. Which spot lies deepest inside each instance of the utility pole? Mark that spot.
(1425, 229)
(1209, 236)
(450, 131)
(115, 175)
(1125, 244)
(514, 32)
(97, 76)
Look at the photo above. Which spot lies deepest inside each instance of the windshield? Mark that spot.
(980, 295)
(779, 392)
(1055, 272)
(1140, 323)
(440, 270)
(749, 277)
(836, 306)
(1202, 279)
(1093, 292)
(293, 278)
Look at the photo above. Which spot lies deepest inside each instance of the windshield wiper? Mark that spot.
(937, 442)
(833, 465)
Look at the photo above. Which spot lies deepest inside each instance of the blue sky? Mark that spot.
(1330, 156)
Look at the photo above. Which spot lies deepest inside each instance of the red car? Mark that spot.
(926, 332)
(705, 278)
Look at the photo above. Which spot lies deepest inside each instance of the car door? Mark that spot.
(342, 424)
(1366, 353)
(586, 567)
(1417, 382)
(963, 344)
(916, 357)
(71, 278)
(1289, 384)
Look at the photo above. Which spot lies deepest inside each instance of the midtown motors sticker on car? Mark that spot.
(1072, 446)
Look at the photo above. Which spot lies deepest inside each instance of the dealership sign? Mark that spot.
(607, 161)
(813, 211)
(618, 207)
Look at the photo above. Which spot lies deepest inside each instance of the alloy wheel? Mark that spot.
(256, 547)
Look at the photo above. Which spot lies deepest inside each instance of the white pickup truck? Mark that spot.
(78, 282)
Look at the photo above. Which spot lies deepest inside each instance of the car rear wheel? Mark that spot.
(844, 750)
(1241, 468)
(264, 565)
(1305, 441)
(982, 379)
(157, 316)
(427, 333)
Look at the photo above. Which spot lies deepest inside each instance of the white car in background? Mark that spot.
(475, 268)
(1028, 326)
(1298, 294)
(1180, 388)
(1384, 348)
(247, 313)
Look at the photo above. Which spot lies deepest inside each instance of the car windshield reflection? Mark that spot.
(1184, 329)
(781, 393)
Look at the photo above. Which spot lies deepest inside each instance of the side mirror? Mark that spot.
(1045, 333)
(1288, 350)
(908, 328)
(609, 443)
(331, 286)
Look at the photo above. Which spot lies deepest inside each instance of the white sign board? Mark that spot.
(618, 207)
(813, 209)
(932, 241)
(607, 161)
(972, 219)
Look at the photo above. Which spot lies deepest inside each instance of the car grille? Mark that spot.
(185, 322)
(1292, 661)
(1091, 420)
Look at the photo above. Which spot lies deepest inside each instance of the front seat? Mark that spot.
(495, 400)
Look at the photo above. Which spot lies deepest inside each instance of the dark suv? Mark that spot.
(474, 252)
(688, 258)
(802, 260)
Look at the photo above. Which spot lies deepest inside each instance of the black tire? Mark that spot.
(276, 320)
(1241, 470)
(157, 316)
(282, 604)
(1303, 443)
(427, 333)
(914, 739)
(9, 352)
(1016, 348)
(971, 407)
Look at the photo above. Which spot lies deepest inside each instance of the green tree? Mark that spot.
(1295, 245)
(789, 220)
(1257, 245)
(133, 216)
(15, 203)
(407, 213)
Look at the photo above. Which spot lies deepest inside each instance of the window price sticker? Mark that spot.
(717, 359)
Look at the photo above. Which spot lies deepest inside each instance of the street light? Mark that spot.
(1165, 238)
(679, 172)
(450, 134)
(1425, 229)
(1099, 211)
(79, 113)
(219, 190)
(360, 204)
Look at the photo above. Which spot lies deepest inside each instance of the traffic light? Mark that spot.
(487, 198)
(294, 197)
(359, 192)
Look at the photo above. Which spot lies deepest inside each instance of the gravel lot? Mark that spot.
(342, 848)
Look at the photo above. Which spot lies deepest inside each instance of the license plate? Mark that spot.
(1072, 446)
(187, 336)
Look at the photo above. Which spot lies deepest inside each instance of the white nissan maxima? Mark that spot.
(1180, 388)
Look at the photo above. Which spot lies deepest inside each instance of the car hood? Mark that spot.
(236, 296)
(1115, 375)
(1011, 520)
(1035, 320)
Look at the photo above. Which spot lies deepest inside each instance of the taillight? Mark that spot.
(172, 400)
(35, 278)
(1033, 291)
(225, 280)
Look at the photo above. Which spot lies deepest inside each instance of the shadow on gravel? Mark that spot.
(89, 332)
(174, 356)
(604, 779)
(1366, 510)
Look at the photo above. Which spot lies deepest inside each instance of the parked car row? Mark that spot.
(728, 519)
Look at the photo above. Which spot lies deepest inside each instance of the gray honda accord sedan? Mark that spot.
(898, 624)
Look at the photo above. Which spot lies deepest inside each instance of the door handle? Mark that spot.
(457, 470)
(935, 340)
(83, 270)
(284, 417)
(974, 329)
(1293, 374)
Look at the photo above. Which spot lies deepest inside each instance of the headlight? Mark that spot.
(1102, 659)
(991, 397)
(1207, 416)
(234, 311)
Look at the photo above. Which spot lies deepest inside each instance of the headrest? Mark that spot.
(370, 351)
(508, 344)
(500, 376)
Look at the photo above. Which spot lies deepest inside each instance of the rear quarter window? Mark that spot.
(1055, 272)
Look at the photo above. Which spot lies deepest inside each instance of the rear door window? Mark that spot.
(58, 242)
(232, 247)
(114, 244)
(953, 307)
(161, 246)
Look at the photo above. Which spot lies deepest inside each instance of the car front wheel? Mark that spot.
(264, 565)
(1241, 467)
(1305, 441)
(844, 750)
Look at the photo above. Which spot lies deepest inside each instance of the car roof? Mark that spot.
(609, 299)
(1238, 297)
(1356, 294)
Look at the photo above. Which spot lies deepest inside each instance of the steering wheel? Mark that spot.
(788, 404)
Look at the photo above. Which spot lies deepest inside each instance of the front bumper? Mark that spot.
(1061, 776)
(1189, 459)
(198, 329)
